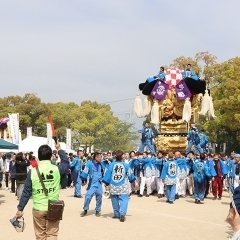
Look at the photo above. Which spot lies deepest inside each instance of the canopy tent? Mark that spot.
(32, 143)
(7, 145)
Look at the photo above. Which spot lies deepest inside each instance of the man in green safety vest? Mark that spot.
(51, 175)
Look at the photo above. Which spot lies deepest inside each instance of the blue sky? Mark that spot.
(101, 50)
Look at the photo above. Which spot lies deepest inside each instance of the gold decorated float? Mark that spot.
(172, 116)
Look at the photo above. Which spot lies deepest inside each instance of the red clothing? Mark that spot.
(217, 186)
(217, 167)
(33, 163)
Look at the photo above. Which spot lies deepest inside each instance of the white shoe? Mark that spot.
(6, 188)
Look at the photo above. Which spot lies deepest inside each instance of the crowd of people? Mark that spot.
(192, 174)
(163, 175)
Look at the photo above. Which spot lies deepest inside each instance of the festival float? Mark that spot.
(172, 102)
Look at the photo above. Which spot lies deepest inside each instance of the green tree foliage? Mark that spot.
(226, 128)
(95, 125)
(92, 124)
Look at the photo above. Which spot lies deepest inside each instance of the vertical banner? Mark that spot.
(14, 127)
(29, 131)
(49, 135)
(69, 139)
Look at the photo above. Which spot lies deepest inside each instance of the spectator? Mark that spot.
(12, 171)
(54, 157)
(6, 168)
(21, 173)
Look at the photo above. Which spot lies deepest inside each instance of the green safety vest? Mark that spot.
(51, 178)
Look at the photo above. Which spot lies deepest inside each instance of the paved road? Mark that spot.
(148, 218)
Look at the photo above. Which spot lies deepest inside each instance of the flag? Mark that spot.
(182, 91)
(49, 135)
(160, 90)
(29, 131)
(68, 139)
(14, 127)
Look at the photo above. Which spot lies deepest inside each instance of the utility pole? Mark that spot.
(131, 113)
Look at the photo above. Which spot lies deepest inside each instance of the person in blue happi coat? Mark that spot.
(169, 176)
(203, 141)
(147, 137)
(76, 168)
(193, 139)
(159, 163)
(182, 175)
(92, 175)
(234, 171)
(160, 76)
(189, 73)
(190, 161)
(201, 175)
(116, 178)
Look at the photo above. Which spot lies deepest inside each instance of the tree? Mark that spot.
(209, 61)
(95, 125)
(92, 124)
(182, 62)
(226, 102)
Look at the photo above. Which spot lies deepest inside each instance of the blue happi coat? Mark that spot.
(76, 168)
(147, 167)
(203, 140)
(200, 171)
(182, 168)
(189, 163)
(160, 76)
(92, 173)
(190, 74)
(158, 166)
(169, 172)
(232, 169)
(117, 177)
(223, 168)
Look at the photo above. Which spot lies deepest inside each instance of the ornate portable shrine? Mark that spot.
(172, 103)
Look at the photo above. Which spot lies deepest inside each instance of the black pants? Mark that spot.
(7, 178)
(69, 179)
(64, 181)
(13, 183)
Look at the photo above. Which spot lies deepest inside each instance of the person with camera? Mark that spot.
(43, 184)
(193, 139)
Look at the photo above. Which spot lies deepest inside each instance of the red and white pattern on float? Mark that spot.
(173, 76)
(4, 120)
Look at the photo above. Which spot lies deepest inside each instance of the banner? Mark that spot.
(49, 135)
(69, 139)
(29, 131)
(160, 90)
(182, 91)
(14, 127)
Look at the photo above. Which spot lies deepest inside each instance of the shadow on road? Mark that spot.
(162, 200)
(225, 203)
(111, 215)
(229, 231)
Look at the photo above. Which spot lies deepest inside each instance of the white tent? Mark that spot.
(32, 143)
